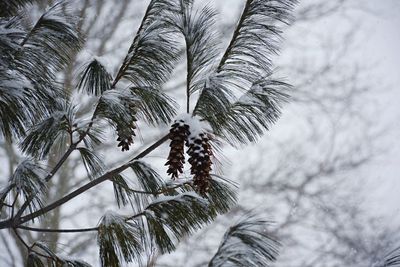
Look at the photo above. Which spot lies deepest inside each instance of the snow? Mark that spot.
(179, 182)
(82, 123)
(183, 117)
(196, 125)
(57, 13)
(15, 83)
(87, 55)
(104, 61)
(111, 217)
(112, 97)
(25, 167)
(179, 197)
(117, 98)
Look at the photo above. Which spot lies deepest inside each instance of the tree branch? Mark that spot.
(72, 147)
(48, 177)
(41, 230)
(85, 187)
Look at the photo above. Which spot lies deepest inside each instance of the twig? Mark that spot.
(5, 204)
(13, 204)
(135, 216)
(30, 248)
(80, 230)
(72, 147)
(21, 239)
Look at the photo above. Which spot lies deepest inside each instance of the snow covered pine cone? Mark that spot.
(176, 158)
(127, 132)
(200, 154)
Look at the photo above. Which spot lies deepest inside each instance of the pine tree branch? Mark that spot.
(4, 195)
(29, 248)
(51, 174)
(123, 67)
(21, 239)
(73, 147)
(18, 221)
(27, 36)
(60, 162)
(41, 230)
(135, 216)
(235, 36)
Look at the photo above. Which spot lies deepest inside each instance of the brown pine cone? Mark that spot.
(125, 136)
(176, 158)
(200, 154)
(126, 133)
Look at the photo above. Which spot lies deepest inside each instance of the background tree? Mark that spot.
(54, 128)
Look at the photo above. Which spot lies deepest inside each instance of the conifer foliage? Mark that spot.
(231, 97)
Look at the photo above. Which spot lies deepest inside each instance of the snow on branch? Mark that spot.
(247, 243)
(119, 240)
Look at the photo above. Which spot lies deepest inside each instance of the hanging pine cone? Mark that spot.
(176, 158)
(127, 132)
(200, 154)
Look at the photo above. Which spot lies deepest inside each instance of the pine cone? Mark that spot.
(176, 158)
(126, 133)
(125, 136)
(200, 154)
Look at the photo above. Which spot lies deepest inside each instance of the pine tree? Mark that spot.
(231, 97)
